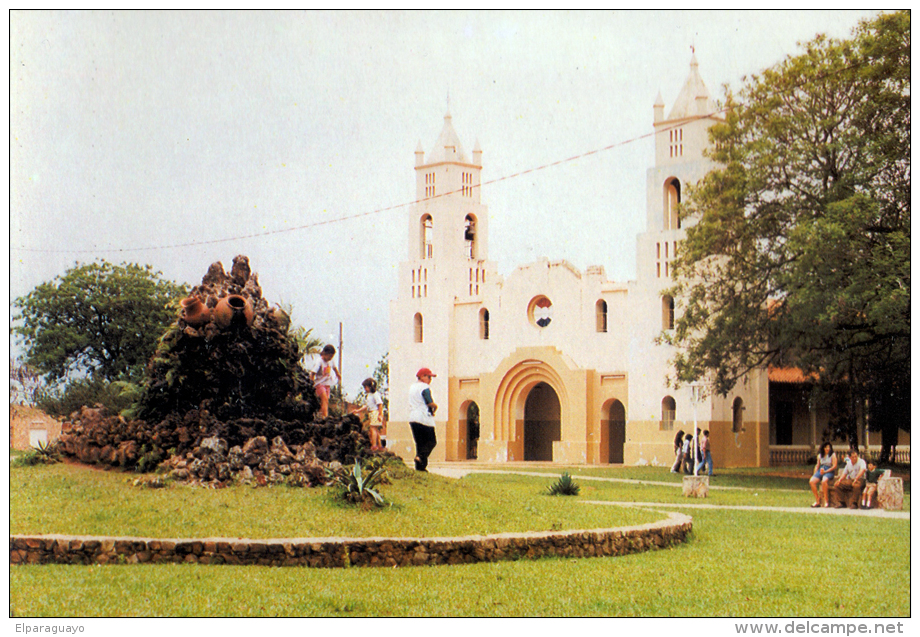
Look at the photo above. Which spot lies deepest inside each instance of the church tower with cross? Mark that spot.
(548, 362)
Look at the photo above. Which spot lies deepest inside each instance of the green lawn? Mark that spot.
(737, 563)
(72, 499)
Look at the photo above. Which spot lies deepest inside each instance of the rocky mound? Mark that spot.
(225, 379)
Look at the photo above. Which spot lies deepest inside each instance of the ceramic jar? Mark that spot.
(194, 312)
(233, 310)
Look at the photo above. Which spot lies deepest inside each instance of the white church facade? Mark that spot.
(560, 364)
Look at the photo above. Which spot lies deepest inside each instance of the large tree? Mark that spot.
(798, 246)
(98, 319)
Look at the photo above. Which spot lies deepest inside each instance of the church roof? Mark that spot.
(448, 147)
(686, 103)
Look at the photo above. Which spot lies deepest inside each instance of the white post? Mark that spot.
(695, 392)
(341, 373)
(696, 486)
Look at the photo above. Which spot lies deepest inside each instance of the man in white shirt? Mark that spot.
(849, 486)
(421, 417)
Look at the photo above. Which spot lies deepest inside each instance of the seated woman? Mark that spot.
(825, 468)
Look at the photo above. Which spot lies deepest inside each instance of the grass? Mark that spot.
(737, 563)
(71, 499)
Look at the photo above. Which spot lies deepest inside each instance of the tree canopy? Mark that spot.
(797, 250)
(97, 319)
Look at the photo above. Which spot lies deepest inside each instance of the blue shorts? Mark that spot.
(823, 475)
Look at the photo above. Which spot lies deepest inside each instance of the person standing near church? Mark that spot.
(705, 453)
(421, 417)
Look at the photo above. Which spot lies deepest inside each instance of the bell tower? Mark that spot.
(449, 221)
(444, 276)
(680, 139)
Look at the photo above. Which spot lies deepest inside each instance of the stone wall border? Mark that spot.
(344, 552)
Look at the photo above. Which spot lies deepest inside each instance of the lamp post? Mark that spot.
(696, 486)
(696, 395)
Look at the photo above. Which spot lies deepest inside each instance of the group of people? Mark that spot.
(324, 374)
(690, 454)
(422, 407)
(857, 482)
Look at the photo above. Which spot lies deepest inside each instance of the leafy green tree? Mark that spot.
(798, 246)
(97, 320)
(25, 383)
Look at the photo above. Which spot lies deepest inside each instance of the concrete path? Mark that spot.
(458, 472)
(449, 471)
(871, 513)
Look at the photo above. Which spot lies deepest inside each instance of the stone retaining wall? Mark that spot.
(343, 552)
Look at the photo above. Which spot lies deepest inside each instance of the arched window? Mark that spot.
(484, 324)
(671, 219)
(738, 415)
(600, 312)
(668, 413)
(667, 313)
(469, 236)
(425, 236)
(419, 331)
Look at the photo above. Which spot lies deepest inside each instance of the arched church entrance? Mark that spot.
(472, 431)
(542, 422)
(616, 437)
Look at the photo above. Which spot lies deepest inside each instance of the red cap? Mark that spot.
(425, 372)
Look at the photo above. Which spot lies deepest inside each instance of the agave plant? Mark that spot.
(41, 454)
(356, 486)
(564, 486)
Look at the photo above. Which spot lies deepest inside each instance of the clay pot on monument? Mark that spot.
(194, 312)
(233, 310)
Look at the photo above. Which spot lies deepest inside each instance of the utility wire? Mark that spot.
(359, 215)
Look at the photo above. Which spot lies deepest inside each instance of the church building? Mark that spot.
(554, 363)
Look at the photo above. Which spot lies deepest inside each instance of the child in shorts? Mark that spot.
(322, 376)
(872, 476)
(373, 407)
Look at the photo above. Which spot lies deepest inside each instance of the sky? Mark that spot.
(134, 134)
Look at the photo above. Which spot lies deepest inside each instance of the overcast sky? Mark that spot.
(134, 131)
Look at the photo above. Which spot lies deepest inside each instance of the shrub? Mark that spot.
(564, 486)
(42, 454)
(356, 487)
(149, 459)
(117, 396)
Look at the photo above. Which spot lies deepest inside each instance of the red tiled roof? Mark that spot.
(789, 375)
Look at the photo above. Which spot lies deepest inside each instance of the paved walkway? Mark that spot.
(871, 513)
(451, 470)
(458, 472)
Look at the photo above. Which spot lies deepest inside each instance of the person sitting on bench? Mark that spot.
(849, 485)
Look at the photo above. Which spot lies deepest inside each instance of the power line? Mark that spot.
(359, 215)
